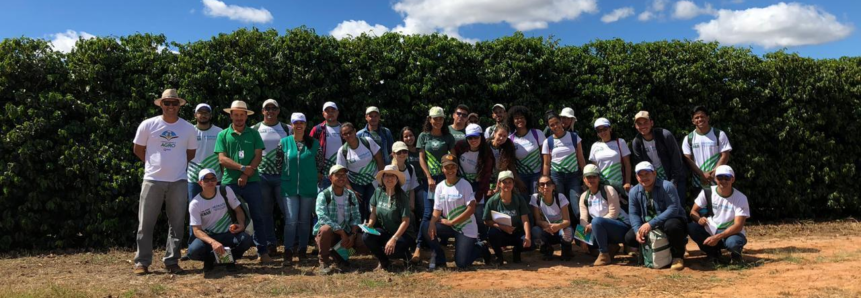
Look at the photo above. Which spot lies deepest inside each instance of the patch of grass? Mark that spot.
(130, 293)
(789, 257)
(839, 257)
(746, 265)
(580, 283)
(372, 283)
(677, 276)
(52, 291)
(158, 289)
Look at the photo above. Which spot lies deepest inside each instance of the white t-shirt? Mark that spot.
(205, 157)
(553, 212)
(166, 146)
(528, 153)
(360, 162)
(563, 159)
(211, 214)
(652, 152)
(469, 165)
(725, 209)
(271, 136)
(333, 143)
(411, 182)
(452, 201)
(341, 203)
(706, 150)
(606, 156)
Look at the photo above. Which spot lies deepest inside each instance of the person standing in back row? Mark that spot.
(328, 133)
(659, 146)
(705, 149)
(498, 116)
(459, 121)
(165, 144)
(374, 131)
(271, 131)
(204, 157)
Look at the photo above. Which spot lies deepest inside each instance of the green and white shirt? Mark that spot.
(652, 152)
(271, 136)
(211, 213)
(706, 150)
(528, 153)
(606, 156)
(360, 162)
(452, 201)
(563, 159)
(469, 165)
(725, 208)
(205, 156)
(435, 147)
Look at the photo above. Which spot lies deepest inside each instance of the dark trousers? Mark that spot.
(377, 245)
(735, 243)
(676, 230)
(238, 243)
(499, 238)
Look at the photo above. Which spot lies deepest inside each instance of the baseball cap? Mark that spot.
(591, 170)
(334, 169)
(505, 175)
(436, 112)
(448, 159)
(329, 104)
(602, 122)
(724, 170)
(372, 109)
(205, 172)
(642, 114)
(399, 146)
(473, 130)
(644, 166)
(202, 105)
(297, 117)
(499, 105)
(270, 101)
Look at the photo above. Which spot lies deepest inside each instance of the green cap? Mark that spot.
(591, 170)
(436, 112)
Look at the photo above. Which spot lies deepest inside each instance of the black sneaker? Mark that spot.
(567, 254)
(736, 259)
(231, 267)
(485, 253)
(208, 264)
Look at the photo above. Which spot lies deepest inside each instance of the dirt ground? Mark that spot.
(801, 259)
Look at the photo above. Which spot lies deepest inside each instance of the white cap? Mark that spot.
(505, 175)
(372, 109)
(297, 117)
(473, 130)
(205, 172)
(334, 169)
(399, 146)
(202, 105)
(602, 122)
(270, 101)
(499, 105)
(567, 113)
(329, 104)
(724, 170)
(645, 165)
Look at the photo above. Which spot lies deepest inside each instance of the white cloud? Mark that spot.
(779, 25)
(654, 10)
(618, 14)
(687, 10)
(215, 8)
(447, 16)
(65, 41)
(356, 28)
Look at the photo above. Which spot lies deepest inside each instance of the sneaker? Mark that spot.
(603, 259)
(678, 264)
(301, 254)
(264, 259)
(546, 252)
(383, 266)
(567, 254)
(324, 269)
(141, 270)
(231, 267)
(288, 258)
(736, 259)
(184, 258)
(174, 269)
(712, 260)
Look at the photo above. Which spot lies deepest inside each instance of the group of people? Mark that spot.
(364, 191)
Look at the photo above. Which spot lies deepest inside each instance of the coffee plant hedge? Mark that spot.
(69, 178)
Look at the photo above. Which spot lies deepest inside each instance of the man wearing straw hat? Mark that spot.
(240, 151)
(165, 144)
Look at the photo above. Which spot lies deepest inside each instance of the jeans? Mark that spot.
(377, 245)
(570, 185)
(252, 195)
(498, 239)
(326, 239)
(677, 233)
(153, 195)
(606, 231)
(734, 244)
(530, 180)
(270, 188)
(297, 221)
(193, 190)
(548, 239)
(238, 243)
(466, 249)
(419, 212)
(365, 192)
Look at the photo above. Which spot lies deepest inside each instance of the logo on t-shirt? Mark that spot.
(168, 136)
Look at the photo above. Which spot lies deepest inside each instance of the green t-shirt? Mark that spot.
(391, 212)
(435, 147)
(516, 209)
(457, 134)
(240, 148)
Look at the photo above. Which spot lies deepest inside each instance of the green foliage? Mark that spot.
(69, 177)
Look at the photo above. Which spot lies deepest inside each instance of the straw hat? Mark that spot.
(391, 169)
(239, 106)
(169, 94)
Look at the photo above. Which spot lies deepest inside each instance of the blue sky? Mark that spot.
(818, 29)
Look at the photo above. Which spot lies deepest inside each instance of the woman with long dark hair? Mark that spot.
(390, 216)
(477, 164)
(527, 143)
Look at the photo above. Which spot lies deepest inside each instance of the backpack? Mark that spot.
(284, 126)
(345, 147)
(230, 211)
(655, 253)
(706, 211)
(691, 138)
(571, 134)
(602, 189)
(327, 193)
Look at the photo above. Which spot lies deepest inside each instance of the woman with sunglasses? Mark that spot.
(552, 219)
(612, 156)
(476, 163)
(299, 162)
(363, 159)
(563, 158)
(516, 232)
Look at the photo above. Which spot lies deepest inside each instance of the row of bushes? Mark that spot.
(69, 177)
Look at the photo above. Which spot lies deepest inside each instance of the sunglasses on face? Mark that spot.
(271, 109)
(462, 114)
(724, 177)
(602, 129)
(404, 152)
(545, 184)
(210, 180)
(472, 138)
(171, 103)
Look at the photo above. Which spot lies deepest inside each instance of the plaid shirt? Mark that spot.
(327, 214)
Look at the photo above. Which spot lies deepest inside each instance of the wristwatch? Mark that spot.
(242, 169)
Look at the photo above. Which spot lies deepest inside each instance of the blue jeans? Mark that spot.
(297, 221)
(606, 231)
(479, 213)
(419, 212)
(568, 184)
(530, 180)
(734, 244)
(466, 249)
(270, 187)
(251, 194)
(238, 243)
(366, 192)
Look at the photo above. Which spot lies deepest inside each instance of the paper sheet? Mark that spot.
(580, 234)
(501, 218)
